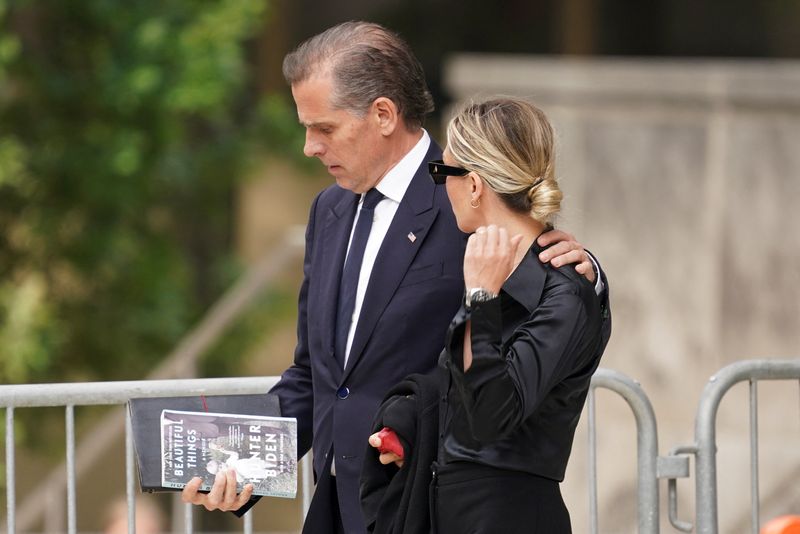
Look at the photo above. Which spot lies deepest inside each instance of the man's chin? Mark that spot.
(344, 183)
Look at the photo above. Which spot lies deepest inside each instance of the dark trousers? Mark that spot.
(474, 499)
(323, 513)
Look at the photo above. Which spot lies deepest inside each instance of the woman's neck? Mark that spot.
(497, 213)
(525, 226)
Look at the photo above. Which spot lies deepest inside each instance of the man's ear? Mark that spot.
(386, 115)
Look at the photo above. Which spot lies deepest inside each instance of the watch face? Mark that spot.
(478, 294)
(481, 296)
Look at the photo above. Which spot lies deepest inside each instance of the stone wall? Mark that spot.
(683, 177)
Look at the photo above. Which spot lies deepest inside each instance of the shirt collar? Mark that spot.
(399, 177)
(526, 283)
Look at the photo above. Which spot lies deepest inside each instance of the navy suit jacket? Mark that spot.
(415, 288)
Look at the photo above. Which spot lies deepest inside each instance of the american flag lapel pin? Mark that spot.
(411, 237)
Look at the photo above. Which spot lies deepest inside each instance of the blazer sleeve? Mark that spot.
(294, 389)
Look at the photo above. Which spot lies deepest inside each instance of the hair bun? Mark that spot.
(508, 142)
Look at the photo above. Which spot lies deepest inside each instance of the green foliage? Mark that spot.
(271, 311)
(123, 129)
(276, 126)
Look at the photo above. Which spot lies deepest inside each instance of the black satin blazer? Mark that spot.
(534, 349)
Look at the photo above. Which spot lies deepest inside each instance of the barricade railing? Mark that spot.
(646, 445)
(650, 466)
(110, 393)
(705, 447)
(117, 393)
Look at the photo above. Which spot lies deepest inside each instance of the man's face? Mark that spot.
(349, 146)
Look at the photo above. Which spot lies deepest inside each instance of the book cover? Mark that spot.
(146, 424)
(261, 449)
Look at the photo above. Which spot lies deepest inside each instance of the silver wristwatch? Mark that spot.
(477, 294)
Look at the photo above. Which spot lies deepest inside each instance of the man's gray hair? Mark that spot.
(366, 61)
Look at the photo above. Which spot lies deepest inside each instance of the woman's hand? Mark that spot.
(385, 457)
(490, 258)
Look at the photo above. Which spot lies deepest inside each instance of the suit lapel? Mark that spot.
(416, 213)
(336, 233)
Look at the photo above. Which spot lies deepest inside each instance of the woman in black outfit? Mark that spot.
(520, 353)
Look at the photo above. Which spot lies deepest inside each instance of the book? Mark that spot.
(146, 425)
(261, 449)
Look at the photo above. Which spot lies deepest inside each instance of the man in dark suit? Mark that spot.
(383, 272)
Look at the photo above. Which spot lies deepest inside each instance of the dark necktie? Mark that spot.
(351, 272)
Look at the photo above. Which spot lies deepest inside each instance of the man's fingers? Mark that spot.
(559, 249)
(553, 236)
(189, 493)
(586, 269)
(573, 256)
(214, 497)
(229, 496)
(244, 496)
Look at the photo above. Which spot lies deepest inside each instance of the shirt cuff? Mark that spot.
(486, 340)
(599, 286)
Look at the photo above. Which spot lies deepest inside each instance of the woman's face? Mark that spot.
(459, 191)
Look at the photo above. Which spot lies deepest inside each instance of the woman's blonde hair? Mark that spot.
(508, 142)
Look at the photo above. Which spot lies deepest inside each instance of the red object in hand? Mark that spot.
(390, 442)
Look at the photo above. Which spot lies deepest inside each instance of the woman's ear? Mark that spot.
(477, 185)
(385, 113)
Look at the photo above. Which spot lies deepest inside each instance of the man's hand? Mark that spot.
(565, 251)
(386, 457)
(223, 494)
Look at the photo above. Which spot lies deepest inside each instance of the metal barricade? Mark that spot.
(650, 466)
(111, 393)
(646, 444)
(705, 446)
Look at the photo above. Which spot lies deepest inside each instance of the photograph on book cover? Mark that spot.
(261, 449)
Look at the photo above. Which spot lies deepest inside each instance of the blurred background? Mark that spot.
(151, 160)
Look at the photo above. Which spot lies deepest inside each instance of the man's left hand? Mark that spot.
(565, 250)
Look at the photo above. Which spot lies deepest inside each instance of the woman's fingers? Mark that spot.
(389, 458)
(375, 440)
(489, 257)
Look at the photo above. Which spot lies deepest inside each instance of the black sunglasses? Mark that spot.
(439, 171)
